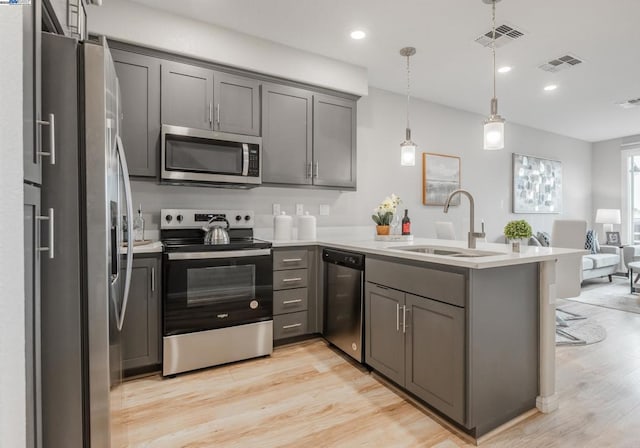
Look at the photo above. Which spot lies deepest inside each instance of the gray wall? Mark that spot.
(12, 373)
(436, 128)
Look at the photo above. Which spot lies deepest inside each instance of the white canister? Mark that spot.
(282, 227)
(306, 227)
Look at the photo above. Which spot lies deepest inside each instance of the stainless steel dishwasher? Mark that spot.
(343, 323)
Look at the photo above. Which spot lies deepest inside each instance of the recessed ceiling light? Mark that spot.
(505, 69)
(550, 87)
(358, 34)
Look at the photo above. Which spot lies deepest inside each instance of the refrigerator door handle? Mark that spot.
(129, 205)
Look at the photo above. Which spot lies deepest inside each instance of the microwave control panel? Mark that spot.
(254, 163)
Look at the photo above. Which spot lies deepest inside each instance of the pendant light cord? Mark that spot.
(493, 46)
(408, 89)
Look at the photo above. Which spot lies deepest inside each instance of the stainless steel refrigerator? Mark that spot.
(85, 285)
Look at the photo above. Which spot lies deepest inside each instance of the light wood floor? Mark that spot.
(306, 395)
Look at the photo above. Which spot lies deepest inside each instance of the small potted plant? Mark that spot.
(515, 231)
(383, 214)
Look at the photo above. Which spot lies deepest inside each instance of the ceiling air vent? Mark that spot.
(504, 35)
(557, 64)
(630, 104)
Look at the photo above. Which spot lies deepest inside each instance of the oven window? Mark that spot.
(220, 284)
(203, 155)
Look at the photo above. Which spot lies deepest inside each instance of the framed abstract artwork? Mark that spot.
(440, 176)
(537, 185)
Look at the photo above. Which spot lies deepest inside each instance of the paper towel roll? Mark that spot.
(306, 227)
(282, 227)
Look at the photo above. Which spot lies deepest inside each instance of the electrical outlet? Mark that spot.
(276, 209)
(324, 209)
(299, 209)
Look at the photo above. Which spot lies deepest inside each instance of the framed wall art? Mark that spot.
(440, 176)
(537, 185)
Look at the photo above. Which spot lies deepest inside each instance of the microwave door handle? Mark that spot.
(245, 159)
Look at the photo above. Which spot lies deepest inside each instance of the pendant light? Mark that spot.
(407, 147)
(494, 126)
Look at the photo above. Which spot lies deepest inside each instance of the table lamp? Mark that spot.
(608, 217)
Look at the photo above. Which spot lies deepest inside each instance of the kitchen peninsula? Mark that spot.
(469, 332)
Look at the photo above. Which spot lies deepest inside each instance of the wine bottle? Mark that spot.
(406, 223)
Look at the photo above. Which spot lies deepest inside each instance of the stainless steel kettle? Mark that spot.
(216, 231)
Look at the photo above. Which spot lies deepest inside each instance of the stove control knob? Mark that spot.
(247, 218)
(179, 218)
(238, 217)
(169, 218)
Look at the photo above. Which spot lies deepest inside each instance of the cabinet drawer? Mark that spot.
(288, 325)
(290, 259)
(295, 278)
(290, 300)
(444, 286)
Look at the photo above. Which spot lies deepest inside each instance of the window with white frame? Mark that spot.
(631, 195)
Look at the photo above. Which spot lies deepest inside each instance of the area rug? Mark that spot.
(614, 295)
(584, 330)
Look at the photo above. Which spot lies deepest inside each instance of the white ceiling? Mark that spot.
(450, 68)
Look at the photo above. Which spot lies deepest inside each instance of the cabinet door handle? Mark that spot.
(153, 279)
(291, 260)
(289, 302)
(397, 317)
(317, 173)
(404, 318)
(289, 280)
(287, 327)
(218, 114)
(309, 170)
(52, 138)
(49, 218)
(210, 113)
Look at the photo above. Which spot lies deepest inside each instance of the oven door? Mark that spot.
(210, 290)
(206, 156)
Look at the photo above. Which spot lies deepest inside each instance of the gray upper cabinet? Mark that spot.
(287, 128)
(139, 78)
(434, 354)
(69, 17)
(31, 79)
(187, 95)
(141, 329)
(237, 104)
(334, 141)
(384, 337)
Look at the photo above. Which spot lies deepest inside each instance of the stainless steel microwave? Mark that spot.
(209, 157)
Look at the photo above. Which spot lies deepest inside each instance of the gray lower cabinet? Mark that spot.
(139, 77)
(334, 141)
(287, 133)
(237, 104)
(419, 344)
(434, 353)
(141, 332)
(187, 95)
(295, 307)
(384, 340)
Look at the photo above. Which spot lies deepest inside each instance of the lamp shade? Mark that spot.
(494, 134)
(408, 153)
(608, 216)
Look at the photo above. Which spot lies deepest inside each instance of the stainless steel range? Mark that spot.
(217, 298)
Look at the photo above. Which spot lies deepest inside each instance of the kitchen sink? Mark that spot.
(448, 251)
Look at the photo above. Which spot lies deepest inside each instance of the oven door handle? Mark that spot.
(218, 254)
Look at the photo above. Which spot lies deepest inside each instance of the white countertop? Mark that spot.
(529, 254)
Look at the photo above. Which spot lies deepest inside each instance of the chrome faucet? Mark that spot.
(471, 241)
